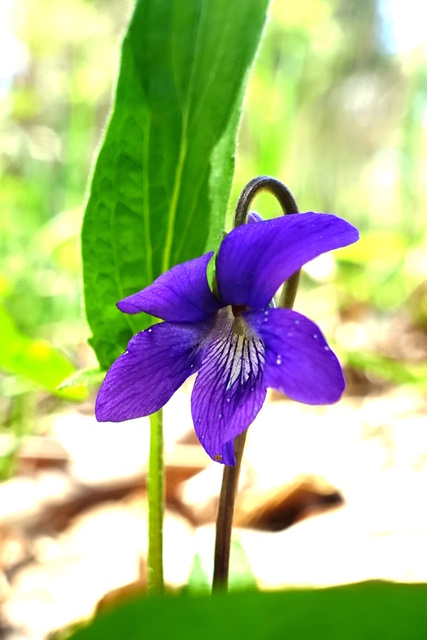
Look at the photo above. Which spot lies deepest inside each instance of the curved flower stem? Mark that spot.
(289, 206)
(224, 523)
(230, 479)
(155, 486)
(263, 183)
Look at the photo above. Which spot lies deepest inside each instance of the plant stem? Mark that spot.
(289, 207)
(155, 486)
(255, 186)
(224, 522)
(230, 479)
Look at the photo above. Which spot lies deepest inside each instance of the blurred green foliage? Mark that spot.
(331, 110)
(56, 100)
(368, 611)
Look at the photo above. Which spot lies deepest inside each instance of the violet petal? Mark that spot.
(155, 364)
(182, 294)
(298, 360)
(229, 389)
(253, 216)
(255, 259)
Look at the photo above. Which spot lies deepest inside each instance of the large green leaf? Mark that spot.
(162, 180)
(36, 360)
(366, 611)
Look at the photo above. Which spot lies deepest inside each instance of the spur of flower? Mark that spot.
(237, 340)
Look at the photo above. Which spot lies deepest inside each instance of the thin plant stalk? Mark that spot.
(230, 479)
(227, 499)
(155, 487)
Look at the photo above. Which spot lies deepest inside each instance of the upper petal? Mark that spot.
(155, 364)
(298, 360)
(255, 259)
(180, 294)
(229, 390)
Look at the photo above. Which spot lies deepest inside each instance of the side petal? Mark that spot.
(228, 392)
(182, 294)
(253, 216)
(155, 364)
(298, 360)
(255, 259)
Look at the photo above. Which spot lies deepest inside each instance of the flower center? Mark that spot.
(239, 325)
(237, 309)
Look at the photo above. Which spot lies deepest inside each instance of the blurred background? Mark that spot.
(336, 108)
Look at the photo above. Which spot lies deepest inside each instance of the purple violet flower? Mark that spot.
(239, 343)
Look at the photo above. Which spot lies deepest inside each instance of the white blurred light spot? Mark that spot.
(351, 335)
(321, 269)
(13, 53)
(404, 24)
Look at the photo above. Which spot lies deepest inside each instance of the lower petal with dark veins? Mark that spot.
(229, 389)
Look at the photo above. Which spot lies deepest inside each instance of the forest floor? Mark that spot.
(328, 495)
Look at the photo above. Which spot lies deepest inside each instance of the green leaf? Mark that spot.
(365, 611)
(163, 177)
(241, 574)
(240, 577)
(83, 378)
(36, 360)
(198, 581)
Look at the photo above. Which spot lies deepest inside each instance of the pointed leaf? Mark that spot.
(162, 180)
